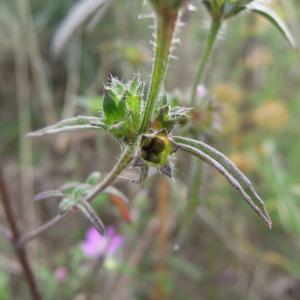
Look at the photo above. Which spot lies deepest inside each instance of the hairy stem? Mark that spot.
(20, 251)
(165, 26)
(38, 231)
(123, 162)
(213, 33)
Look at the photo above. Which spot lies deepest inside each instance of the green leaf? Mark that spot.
(89, 213)
(229, 170)
(71, 124)
(117, 86)
(66, 205)
(271, 16)
(133, 104)
(48, 194)
(93, 178)
(136, 86)
(113, 111)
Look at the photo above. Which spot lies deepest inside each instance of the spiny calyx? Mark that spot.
(122, 108)
(156, 150)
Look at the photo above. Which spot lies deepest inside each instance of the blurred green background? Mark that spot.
(53, 65)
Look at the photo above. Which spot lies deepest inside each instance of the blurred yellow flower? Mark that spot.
(276, 259)
(229, 120)
(262, 25)
(243, 161)
(135, 55)
(259, 26)
(271, 115)
(226, 92)
(260, 57)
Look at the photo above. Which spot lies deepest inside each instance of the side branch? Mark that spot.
(40, 230)
(123, 162)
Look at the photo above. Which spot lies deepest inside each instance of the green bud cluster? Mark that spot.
(122, 104)
(224, 9)
(168, 116)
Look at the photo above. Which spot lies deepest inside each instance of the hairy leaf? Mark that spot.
(48, 194)
(66, 205)
(272, 17)
(93, 178)
(226, 167)
(89, 213)
(71, 124)
(144, 170)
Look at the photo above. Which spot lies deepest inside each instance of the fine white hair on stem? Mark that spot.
(146, 16)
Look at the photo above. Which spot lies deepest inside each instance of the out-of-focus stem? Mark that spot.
(24, 119)
(213, 33)
(163, 209)
(38, 231)
(165, 27)
(4, 232)
(20, 251)
(196, 170)
(37, 63)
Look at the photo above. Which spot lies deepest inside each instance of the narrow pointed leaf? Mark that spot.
(71, 124)
(93, 178)
(80, 12)
(89, 213)
(68, 187)
(114, 112)
(144, 171)
(65, 206)
(48, 194)
(120, 201)
(272, 17)
(226, 167)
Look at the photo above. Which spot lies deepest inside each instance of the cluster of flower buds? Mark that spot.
(224, 9)
(122, 104)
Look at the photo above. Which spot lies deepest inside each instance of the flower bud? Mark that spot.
(156, 149)
(122, 108)
(224, 9)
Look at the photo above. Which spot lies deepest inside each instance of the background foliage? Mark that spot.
(227, 252)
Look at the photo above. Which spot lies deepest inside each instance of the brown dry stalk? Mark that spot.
(20, 251)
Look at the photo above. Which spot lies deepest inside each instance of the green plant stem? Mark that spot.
(165, 26)
(196, 171)
(213, 33)
(125, 159)
(20, 251)
(27, 237)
